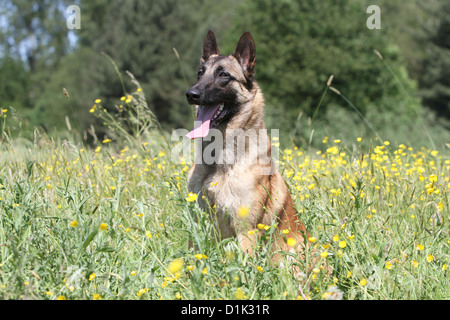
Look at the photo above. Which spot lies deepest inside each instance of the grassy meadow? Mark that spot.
(113, 221)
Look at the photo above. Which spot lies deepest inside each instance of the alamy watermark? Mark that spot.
(74, 20)
(238, 146)
(374, 21)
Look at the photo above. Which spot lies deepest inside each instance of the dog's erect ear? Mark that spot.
(209, 46)
(246, 54)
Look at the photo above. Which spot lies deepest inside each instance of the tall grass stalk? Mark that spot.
(407, 96)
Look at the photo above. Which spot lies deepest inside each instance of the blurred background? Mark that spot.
(392, 83)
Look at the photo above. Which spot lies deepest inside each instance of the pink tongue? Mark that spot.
(201, 127)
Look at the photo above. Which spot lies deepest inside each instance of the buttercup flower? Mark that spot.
(291, 242)
(243, 212)
(191, 197)
(176, 266)
(239, 294)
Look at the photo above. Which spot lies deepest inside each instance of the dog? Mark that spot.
(228, 99)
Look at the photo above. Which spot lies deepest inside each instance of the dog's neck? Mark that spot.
(244, 139)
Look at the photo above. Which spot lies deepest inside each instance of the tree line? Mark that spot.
(392, 82)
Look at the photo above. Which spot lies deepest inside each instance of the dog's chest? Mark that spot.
(227, 191)
(231, 190)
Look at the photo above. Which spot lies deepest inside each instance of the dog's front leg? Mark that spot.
(248, 243)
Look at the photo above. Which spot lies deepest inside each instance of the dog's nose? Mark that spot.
(193, 95)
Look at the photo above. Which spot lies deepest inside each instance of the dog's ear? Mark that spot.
(209, 46)
(246, 54)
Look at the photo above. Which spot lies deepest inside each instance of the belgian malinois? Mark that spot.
(242, 189)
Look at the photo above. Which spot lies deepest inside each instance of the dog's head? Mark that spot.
(224, 83)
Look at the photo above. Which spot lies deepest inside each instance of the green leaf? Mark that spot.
(107, 249)
(88, 241)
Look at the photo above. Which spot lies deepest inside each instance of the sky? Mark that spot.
(6, 7)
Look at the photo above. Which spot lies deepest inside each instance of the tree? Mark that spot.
(33, 40)
(301, 43)
(36, 32)
(14, 83)
(140, 36)
(434, 81)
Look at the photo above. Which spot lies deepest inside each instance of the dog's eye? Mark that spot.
(200, 72)
(224, 75)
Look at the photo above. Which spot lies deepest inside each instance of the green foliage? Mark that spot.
(299, 45)
(82, 223)
(140, 36)
(434, 81)
(313, 40)
(14, 83)
(80, 73)
(36, 32)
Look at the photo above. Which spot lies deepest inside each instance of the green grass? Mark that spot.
(107, 222)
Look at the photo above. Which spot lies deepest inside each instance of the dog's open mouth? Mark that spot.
(208, 117)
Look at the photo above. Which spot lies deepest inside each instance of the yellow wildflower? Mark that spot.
(176, 266)
(239, 294)
(291, 242)
(342, 244)
(96, 296)
(191, 197)
(312, 239)
(243, 212)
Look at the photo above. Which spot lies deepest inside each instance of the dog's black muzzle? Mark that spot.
(193, 95)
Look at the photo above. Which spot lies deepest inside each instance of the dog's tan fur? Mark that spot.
(225, 188)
